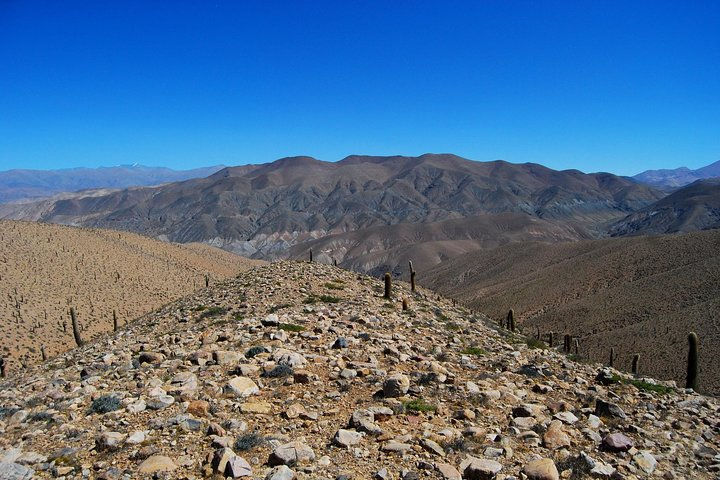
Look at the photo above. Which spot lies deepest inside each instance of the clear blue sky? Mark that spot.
(619, 86)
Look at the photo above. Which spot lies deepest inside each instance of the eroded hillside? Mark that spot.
(46, 269)
(636, 295)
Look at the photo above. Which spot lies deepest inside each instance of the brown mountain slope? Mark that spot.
(638, 295)
(261, 210)
(691, 208)
(46, 269)
(381, 249)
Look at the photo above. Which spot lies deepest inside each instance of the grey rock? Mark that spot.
(291, 454)
(13, 471)
(346, 438)
(281, 472)
(607, 409)
(396, 385)
(617, 442)
(479, 468)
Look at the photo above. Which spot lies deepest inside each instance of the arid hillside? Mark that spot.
(304, 371)
(637, 295)
(46, 269)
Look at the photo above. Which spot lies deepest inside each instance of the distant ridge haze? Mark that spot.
(21, 184)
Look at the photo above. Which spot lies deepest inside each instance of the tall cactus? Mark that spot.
(42, 353)
(3, 365)
(511, 320)
(115, 321)
(76, 328)
(612, 356)
(404, 304)
(311, 255)
(692, 365)
(635, 364)
(388, 286)
(412, 277)
(566, 343)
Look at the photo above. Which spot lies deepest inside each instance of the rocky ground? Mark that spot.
(298, 370)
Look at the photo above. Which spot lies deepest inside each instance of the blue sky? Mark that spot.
(594, 85)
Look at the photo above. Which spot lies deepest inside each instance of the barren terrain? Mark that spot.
(637, 295)
(304, 371)
(46, 269)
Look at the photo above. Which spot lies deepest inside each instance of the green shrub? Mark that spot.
(419, 405)
(535, 343)
(291, 327)
(104, 404)
(248, 441)
(253, 351)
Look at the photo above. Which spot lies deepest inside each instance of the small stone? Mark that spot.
(281, 472)
(150, 357)
(566, 417)
(291, 453)
(13, 471)
(242, 387)
(136, 438)
(525, 423)
(617, 442)
(479, 468)
(109, 440)
(448, 472)
(341, 342)
(541, 469)
(199, 408)
(238, 467)
(645, 461)
(555, 437)
(393, 446)
(289, 358)
(364, 420)
(223, 357)
(137, 406)
(607, 409)
(263, 408)
(346, 438)
(432, 447)
(160, 402)
(157, 463)
(396, 385)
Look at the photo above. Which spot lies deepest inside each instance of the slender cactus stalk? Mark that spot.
(692, 366)
(115, 321)
(612, 356)
(412, 277)
(76, 328)
(635, 364)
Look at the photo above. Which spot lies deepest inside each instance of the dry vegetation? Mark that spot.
(638, 295)
(46, 269)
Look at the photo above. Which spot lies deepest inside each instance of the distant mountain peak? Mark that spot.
(677, 177)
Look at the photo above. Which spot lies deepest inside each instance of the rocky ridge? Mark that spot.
(298, 370)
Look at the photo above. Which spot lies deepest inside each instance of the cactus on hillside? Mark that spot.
(692, 365)
(612, 356)
(511, 320)
(76, 328)
(115, 321)
(404, 304)
(412, 277)
(3, 365)
(635, 364)
(388, 286)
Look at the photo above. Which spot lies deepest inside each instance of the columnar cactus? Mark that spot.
(76, 328)
(612, 356)
(635, 364)
(3, 365)
(404, 304)
(388, 286)
(566, 343)
(311, 255)
(412, 277)
(115, 321)
(42, 353)
(511, 320)
(692, 366)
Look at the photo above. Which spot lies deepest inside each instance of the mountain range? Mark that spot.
(263, 210)
(18, 185)
(677, 177)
